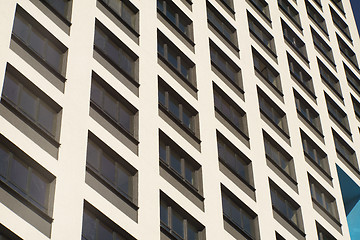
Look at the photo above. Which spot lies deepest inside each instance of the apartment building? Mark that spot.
(179, 119)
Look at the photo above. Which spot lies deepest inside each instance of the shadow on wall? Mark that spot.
(351, 197)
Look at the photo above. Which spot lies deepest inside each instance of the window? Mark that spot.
(261, 34)
(234, 159)
(221, 25)
(230, 111)
(172, 157)
(35, 39)
(322, 233)
(321, 197)
(110, 168)
(318, 2)
(290, 11)
(340, 23)
(266, 71)
(314, 153)
(116, 52)
(96, 226)
(172, 103)
(61, 7)
(175, 16)
(263, 7)
(225, 65)
(331, 81)
(272, 112)
(238, 215)
(316, 17)
(278, 156)
(352, 79)
(31, 103)
(18, 172)
(346, 50)
(284, 205)
(337, 114)
(113, 107)
(345, 151)
(295, 42)
(300, 75)
(179, 63)
(307, 112)
(339, 5)
(322, 46)
(356, 105)
(176, 222)
(124, 10)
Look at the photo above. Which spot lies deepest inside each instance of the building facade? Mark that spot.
(179, 119)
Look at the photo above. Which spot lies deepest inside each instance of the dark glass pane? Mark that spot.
(236, 215)
(164, 214)
(226, 206)
(175, 162)
(127, 15)
(28, 103)
(21, 29)
(191, 232)
(89, 227)
(46, 117)
(38, 189)
(104, 233)
(172, 58)
(108, 168)
(160, 5)
(177, 224)
(170, 13)
(100, 39)
(161, 50)
(112, 51)
(53, 57)
(126, 63)
(11, 89)
(18, 175)
(162, 151)
(161, 96)
(174, 107)
(185, 69)
(37, 43)
(187, 119)
(4, 161)
(110, 106)
(247, 226)
(190, 173)
(96, 94)
(125, 118)
(92, 157)
(124, 181)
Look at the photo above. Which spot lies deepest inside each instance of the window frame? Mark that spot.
(267, 67)
(294, 41)
(222, 59)
(329, 78)
(352, 79)
(124, 52)
(337, 114)
(340, 24)
(181, 59)
(263, 10)
(104, 151)
(350, 155)
(261, 34)
(182, 105)
(320, 45)
(321, 160)
(64, 17)
(33, 26)
(185, 159)
(291, 12)
(233, 107)
(316, 17)
(188, 222)
(134, 26)
(120, 101)
(179, 15)
(349, 54)
(304, 78)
